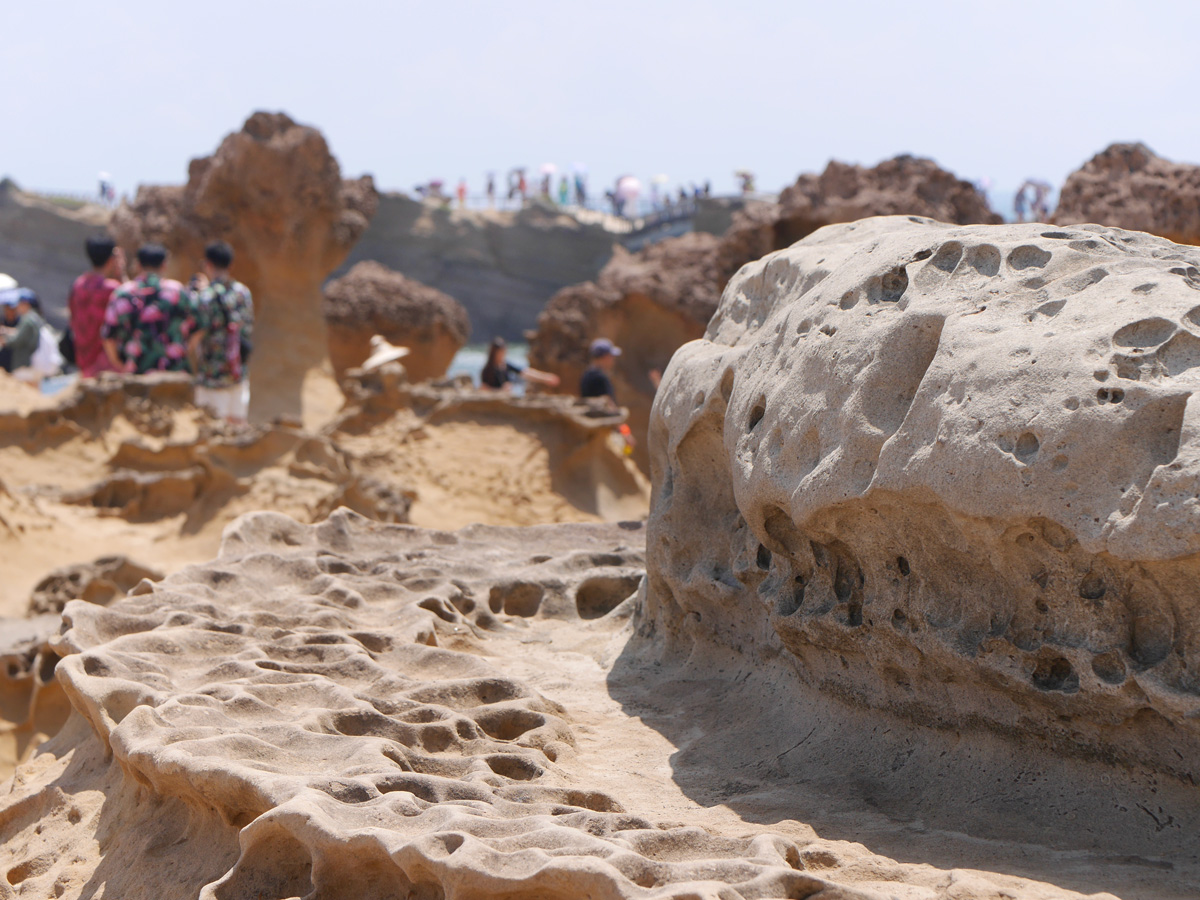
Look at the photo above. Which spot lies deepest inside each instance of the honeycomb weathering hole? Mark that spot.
(601, 594)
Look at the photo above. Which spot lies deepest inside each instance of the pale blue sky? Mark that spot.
(411, 91)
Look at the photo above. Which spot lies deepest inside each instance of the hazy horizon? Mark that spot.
(694, 91)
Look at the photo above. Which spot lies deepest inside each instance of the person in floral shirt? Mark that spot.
(149, 320)
(88, 302)
(221, 341)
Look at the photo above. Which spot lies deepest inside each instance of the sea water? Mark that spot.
(471, 359)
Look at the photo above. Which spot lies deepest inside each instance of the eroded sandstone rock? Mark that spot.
(275, 193)
(653, 301)
(102, 581)
(1129, 186)
(372, 299)
(335, 730)
(952, 471)
(648, 303)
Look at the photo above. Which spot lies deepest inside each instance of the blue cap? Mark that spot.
(13, 296)
(604, 347)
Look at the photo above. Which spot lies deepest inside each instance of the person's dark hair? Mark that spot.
(100, 249)
(152, 256)
(220, 254)
(494, 349)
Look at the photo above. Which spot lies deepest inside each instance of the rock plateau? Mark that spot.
(502, 266)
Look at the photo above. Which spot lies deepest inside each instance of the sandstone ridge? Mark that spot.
(950, 472)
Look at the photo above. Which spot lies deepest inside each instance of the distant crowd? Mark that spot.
(147, 323)
(624, 198)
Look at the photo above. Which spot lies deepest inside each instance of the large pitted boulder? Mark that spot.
(950, 473)
(372, 299)
(1129, 186)
(648, 303)
(275, 192)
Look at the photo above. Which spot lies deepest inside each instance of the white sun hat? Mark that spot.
(382, 353)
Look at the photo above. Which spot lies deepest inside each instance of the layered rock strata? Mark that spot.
(950, 473)
(275, 193)
(502, 266)
(1130, 186)
(372, 299)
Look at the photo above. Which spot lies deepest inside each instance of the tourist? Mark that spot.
(88, 300)
(499, 374)
(149, 320)
(220, 346)
(23, 338)
(461, 192)
(564, 191)
(596, 380)
(491, 190)
(8, 319)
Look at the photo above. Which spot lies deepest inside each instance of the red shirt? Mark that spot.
(87, 303)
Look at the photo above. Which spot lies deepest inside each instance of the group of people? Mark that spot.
(596, 382)
(150, 323)
(499, 373)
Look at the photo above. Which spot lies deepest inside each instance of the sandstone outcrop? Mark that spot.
(655, 300)
(502, 267)
(648, 303)
(951, 474)
(358, 710)
(1129, 186)
(41, 244)
(103, 581)
(372, 299)
(275, 193)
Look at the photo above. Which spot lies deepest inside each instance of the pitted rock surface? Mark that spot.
(337, 732)
(953, 472)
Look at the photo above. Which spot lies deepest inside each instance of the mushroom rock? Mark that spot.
(372, 299)
(275, 193)
(950, 474)
(648, 303)
(1129, 186)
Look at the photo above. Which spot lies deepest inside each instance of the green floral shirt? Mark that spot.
(225, 317)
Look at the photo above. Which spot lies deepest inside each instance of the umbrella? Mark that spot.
(659, 179)
(579, 168)
(548, 168)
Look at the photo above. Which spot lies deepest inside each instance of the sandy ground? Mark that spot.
(489, 470)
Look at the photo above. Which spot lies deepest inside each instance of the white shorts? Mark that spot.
(231, 403)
